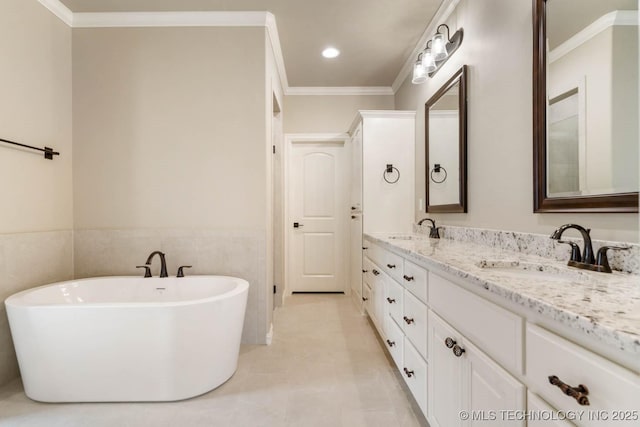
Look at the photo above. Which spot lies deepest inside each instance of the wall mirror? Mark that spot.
(585, 105)
(446, 146)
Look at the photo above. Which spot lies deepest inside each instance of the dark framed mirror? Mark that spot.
(585, 106)
(446, 146)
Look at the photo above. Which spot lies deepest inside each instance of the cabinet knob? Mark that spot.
(365, 271)
(364, 248)
(408, 372)
(408, 320)
(365, 299)
(408, 278)
(457, 350)
(391, 265)
(375, 272)
(391, 343)
(390, 300)
(578, 393)
(449, 342)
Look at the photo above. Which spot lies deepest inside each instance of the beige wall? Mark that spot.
(169, 128)
(35, 83)
(497, 47)
(329, 113)
(171, 153)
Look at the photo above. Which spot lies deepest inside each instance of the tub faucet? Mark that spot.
(163, 263)
(587, 254)
(433, 231)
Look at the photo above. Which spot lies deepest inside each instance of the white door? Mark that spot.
(318, 216)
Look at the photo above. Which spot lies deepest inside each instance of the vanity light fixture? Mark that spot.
(435, 53)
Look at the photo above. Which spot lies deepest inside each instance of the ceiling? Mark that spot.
(375, 37)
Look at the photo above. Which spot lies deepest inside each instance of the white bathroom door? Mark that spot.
(318, 215)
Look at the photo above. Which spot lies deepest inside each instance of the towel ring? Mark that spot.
(389, 170)
(436, 169)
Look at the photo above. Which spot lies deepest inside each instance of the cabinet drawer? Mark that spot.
(610, 386)
(394, 341)
(367, 298)
(414, 322)
(414, 279)
(395, 293)
(537, 406)
(374, 252)
(367, 270)
(497, 331)
(393, 265)
(414, 373)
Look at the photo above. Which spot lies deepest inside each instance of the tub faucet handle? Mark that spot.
(147, 271)
(180, 273)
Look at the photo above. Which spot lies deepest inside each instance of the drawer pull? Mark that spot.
(408, 372)
(578, 393)
(391, 343)
(391, 265)
(365, 299)
(408, 278)
(391, 300)
(375, 272)
(449, 342)
(457, 350)
(365, 271)
(364, 248)
(408, 320)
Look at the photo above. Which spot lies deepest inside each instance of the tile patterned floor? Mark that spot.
(326, 367)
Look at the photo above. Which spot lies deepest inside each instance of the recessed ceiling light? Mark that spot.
(330, 52)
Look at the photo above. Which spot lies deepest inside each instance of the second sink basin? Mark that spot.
(527, 270)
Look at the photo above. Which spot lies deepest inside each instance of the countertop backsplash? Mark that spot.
(538, 244)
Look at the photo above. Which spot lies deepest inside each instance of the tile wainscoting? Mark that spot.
(28, 260)
(226, 253)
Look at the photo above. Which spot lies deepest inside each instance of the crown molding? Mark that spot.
(339, 90)
(60, 10)
(442, 14)
(272, 32)
(207, 19)
(611, 19)
(169, 19)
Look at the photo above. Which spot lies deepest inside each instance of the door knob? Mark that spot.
(297, 225)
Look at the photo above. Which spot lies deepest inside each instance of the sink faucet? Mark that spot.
(163, 263)
(587, 253)
(433, 231)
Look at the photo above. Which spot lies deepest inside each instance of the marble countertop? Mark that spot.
(605, 306)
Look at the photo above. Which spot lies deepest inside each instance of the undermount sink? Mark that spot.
(529, 270)
(403, 237)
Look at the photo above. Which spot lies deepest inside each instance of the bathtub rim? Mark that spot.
(16, 301)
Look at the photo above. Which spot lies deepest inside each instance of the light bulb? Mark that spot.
(439, 47)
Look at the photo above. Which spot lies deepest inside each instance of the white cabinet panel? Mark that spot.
(394, 341)
(415, 374)
(497, 331)
(414, 278)
(542, 413)
(610, 387)
(414, 322)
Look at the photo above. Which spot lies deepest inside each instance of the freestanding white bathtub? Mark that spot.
(116, 339)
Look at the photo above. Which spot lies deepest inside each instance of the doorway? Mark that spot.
(317, 213)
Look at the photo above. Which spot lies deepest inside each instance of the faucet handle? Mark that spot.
(147, 270)
(602, 259)
(434, 232)
(180, 273)
(575, 250)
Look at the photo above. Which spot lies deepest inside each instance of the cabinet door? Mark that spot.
(537, 406)
(355, 252)
(489, 389)
(445, 376)
(379, 297)
(356, 169)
